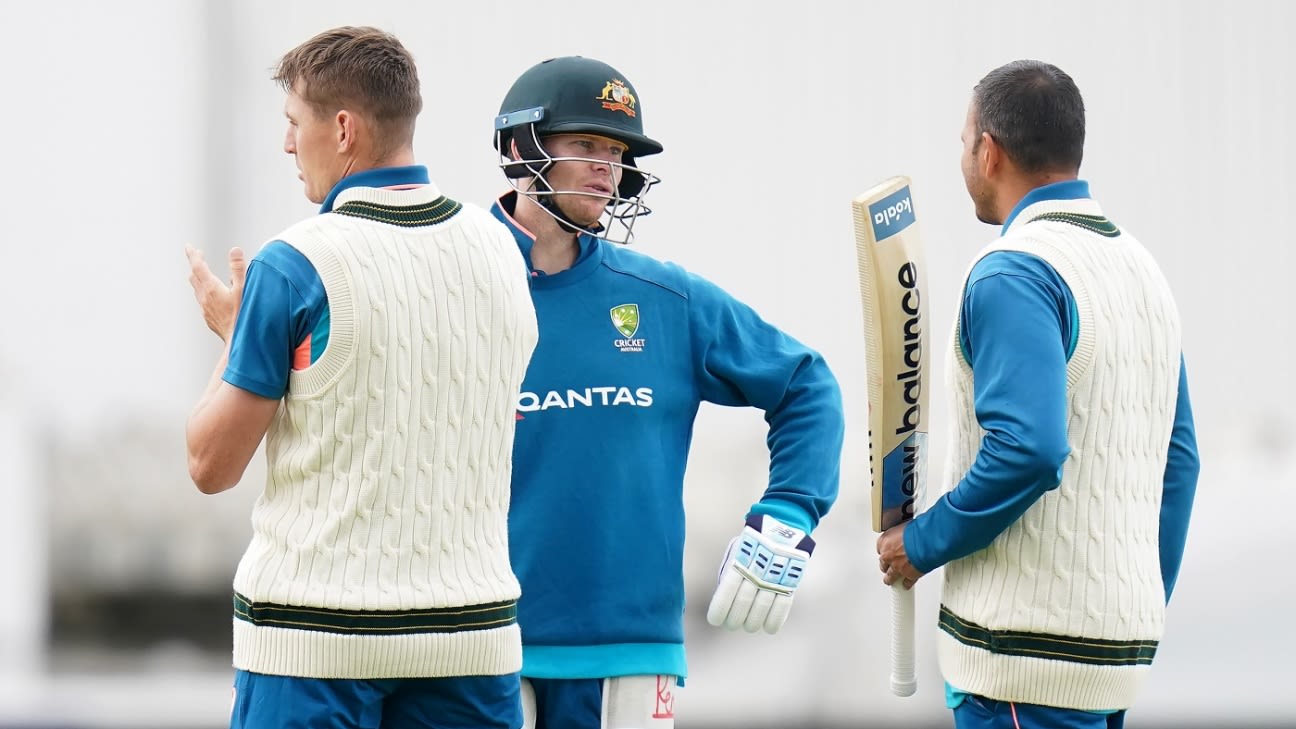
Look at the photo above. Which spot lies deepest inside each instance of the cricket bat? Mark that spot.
(892, 276)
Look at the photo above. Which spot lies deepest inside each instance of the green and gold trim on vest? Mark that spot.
(410, 216)
(1093, 223)
(377, 622)
(1075, 649)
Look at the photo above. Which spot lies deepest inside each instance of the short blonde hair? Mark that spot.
(360, 69)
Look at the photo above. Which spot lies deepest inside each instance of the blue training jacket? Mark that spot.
(629, 348)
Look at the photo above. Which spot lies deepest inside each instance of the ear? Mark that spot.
(990, 157)
(344, 128)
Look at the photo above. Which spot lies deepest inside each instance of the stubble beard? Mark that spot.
(983, 202)
(578, 213)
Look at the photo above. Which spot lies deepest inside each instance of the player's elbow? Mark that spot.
(210, 471)
(1190, 464)
(211, 468)
(208, 476)
(1043, 464)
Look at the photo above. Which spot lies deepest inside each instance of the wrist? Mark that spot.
(785, 511)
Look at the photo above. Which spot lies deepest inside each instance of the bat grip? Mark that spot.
(904, 681)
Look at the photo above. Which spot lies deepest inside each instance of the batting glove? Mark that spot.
(760, 571)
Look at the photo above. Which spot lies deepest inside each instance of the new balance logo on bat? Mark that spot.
(912, 354)
(905, 467)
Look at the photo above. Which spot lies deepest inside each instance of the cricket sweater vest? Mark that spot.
(1065, 608)
(380, 545)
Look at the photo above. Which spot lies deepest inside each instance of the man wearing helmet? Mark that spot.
(629, 348)
(574, 118)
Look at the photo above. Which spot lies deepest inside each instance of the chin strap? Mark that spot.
(550, 204)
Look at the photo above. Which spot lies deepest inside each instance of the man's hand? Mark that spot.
(220, 303)
(759, 574)
(892, 558)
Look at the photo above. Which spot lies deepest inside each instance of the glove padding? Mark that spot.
(760, 571)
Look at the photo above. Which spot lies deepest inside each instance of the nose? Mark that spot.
(290, 143)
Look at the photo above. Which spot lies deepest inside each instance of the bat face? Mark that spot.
(892, 278)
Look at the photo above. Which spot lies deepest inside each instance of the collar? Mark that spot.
(588, 259)
(1065, 190)
(378, 177)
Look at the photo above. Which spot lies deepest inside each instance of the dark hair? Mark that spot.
(1034, 111)
(362, 69)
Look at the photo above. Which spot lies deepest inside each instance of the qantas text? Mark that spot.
(589, 397)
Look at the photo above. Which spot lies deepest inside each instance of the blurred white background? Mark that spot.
(135, 127)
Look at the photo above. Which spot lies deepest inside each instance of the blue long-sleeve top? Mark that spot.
(1019, 326)
(629, 348)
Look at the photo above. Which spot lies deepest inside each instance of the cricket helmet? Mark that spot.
(575, 95)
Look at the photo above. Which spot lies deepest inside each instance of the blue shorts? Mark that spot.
(979, 712)
(568, 703)
(263, 701)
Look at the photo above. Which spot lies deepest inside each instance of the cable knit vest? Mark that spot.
(1065, 608)
(379, 545)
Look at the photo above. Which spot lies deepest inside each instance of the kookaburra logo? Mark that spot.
(616, 97)
(625, 319)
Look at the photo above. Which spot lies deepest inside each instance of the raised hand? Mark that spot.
(219, 302)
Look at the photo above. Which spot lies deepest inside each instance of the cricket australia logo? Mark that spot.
(625, 319)
(616, 97)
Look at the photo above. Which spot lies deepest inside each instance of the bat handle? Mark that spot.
(904, 680)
